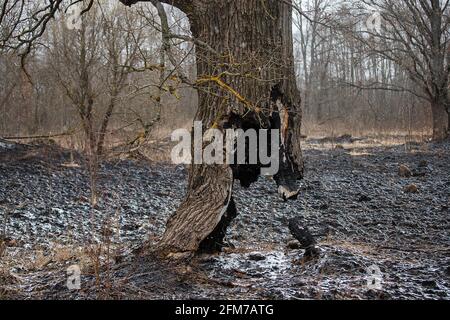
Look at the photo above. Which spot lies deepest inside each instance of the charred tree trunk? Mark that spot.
(105, 123)
(246, 79)
(439, 72)
(304, 237)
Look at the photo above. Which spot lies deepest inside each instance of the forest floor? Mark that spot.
(363, 213)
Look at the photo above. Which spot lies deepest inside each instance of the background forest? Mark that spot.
(353, 81)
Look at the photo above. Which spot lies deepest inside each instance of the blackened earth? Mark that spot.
(352, 199)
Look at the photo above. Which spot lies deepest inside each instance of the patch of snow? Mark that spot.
(6, 145)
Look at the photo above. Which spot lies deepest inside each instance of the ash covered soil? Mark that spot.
(365, 216)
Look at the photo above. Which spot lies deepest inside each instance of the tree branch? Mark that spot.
(184, 5)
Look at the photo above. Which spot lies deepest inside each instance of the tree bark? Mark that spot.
(440, 120)
(246, 79)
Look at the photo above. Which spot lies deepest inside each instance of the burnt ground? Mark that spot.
(353, 199)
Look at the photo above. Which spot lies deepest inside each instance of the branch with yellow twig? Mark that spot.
(218, 80)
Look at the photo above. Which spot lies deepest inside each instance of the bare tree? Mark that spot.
(122, 39)
(92, 65)
(416, 37)
(245, 66)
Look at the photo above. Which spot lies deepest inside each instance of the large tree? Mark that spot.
(246, 79)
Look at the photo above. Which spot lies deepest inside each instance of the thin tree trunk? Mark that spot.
(252, 76)
(448, 121)
(439, 73)
(105, 123)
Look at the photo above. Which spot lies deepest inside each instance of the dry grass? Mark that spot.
(87, 257)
